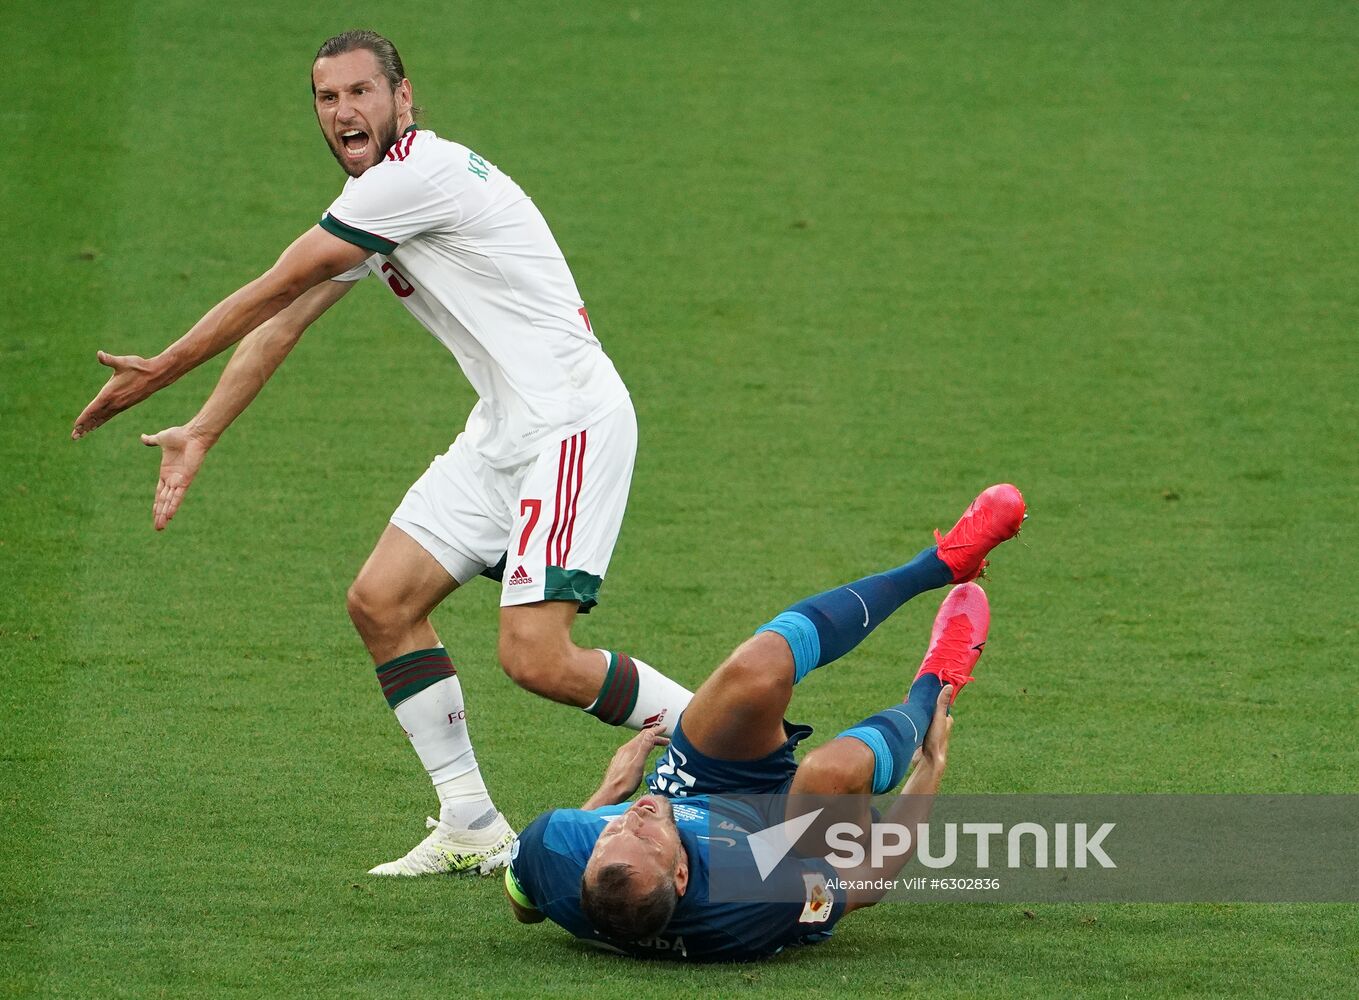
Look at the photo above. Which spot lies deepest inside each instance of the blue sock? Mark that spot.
(894, 733)
(826, 627)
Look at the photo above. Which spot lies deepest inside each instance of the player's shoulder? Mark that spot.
(416, 145)
(567, 831)
(550, 855)
(425, 152)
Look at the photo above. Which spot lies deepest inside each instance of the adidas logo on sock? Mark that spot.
(519, 577)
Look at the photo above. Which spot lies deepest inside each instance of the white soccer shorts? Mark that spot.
(553, 520)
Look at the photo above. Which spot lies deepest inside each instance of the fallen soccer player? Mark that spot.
(636, 877)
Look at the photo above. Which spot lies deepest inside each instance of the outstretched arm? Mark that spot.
(184, 448)
(314, 257)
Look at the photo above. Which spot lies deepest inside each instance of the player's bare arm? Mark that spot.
(256, 359)
(314, 257)
(912, 806)
(624, 772)
(524, 914)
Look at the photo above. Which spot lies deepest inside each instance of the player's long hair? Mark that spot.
(389, 60)
(611, 903)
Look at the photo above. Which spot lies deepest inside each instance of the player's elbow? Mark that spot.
(862, 900)
(526, 916)
(291, 277)
(867, 886)
(523, 914)
(282, 290)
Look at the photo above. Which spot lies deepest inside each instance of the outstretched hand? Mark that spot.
(181, 455)
(134, 379)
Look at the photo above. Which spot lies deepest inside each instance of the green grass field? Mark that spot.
(855, 261)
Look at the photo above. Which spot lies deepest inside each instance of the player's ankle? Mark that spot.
(464, 801)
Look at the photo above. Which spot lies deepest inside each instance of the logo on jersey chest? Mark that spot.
(670, 778)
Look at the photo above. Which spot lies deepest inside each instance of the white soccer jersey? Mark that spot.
(471, 257)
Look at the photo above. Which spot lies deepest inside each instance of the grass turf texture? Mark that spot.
(854, 264)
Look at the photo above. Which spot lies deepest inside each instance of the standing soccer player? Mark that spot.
(531, 493)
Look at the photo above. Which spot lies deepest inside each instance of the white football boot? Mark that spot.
(450, 851)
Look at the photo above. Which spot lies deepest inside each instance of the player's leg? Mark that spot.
(391, 599)
(826, 627)
(568, 510)
(873, 755)
(411, 570)
(737, 713)
(537, 652)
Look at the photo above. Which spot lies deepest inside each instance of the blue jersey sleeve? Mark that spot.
(548, 860)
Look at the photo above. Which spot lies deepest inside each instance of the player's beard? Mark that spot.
(383, 140)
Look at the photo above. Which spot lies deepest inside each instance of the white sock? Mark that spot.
(436, 722)
(464, 802)
(654, 697)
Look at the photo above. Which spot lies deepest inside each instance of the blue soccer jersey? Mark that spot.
(550, 857)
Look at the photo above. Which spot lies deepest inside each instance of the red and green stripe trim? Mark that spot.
(618, 694)
(408, 675)
(356, 236)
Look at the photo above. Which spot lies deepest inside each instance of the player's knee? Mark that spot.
(841, 767)
(757, 676)
(371, 612)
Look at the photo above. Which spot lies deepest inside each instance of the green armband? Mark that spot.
(516, 892)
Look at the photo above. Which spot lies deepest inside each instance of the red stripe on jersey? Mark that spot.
(401, 147)
(557, 506)
(566, 508)
(575, 499)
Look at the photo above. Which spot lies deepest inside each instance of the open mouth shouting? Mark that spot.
(355, 143)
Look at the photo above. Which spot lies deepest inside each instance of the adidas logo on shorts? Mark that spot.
(519, 577)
